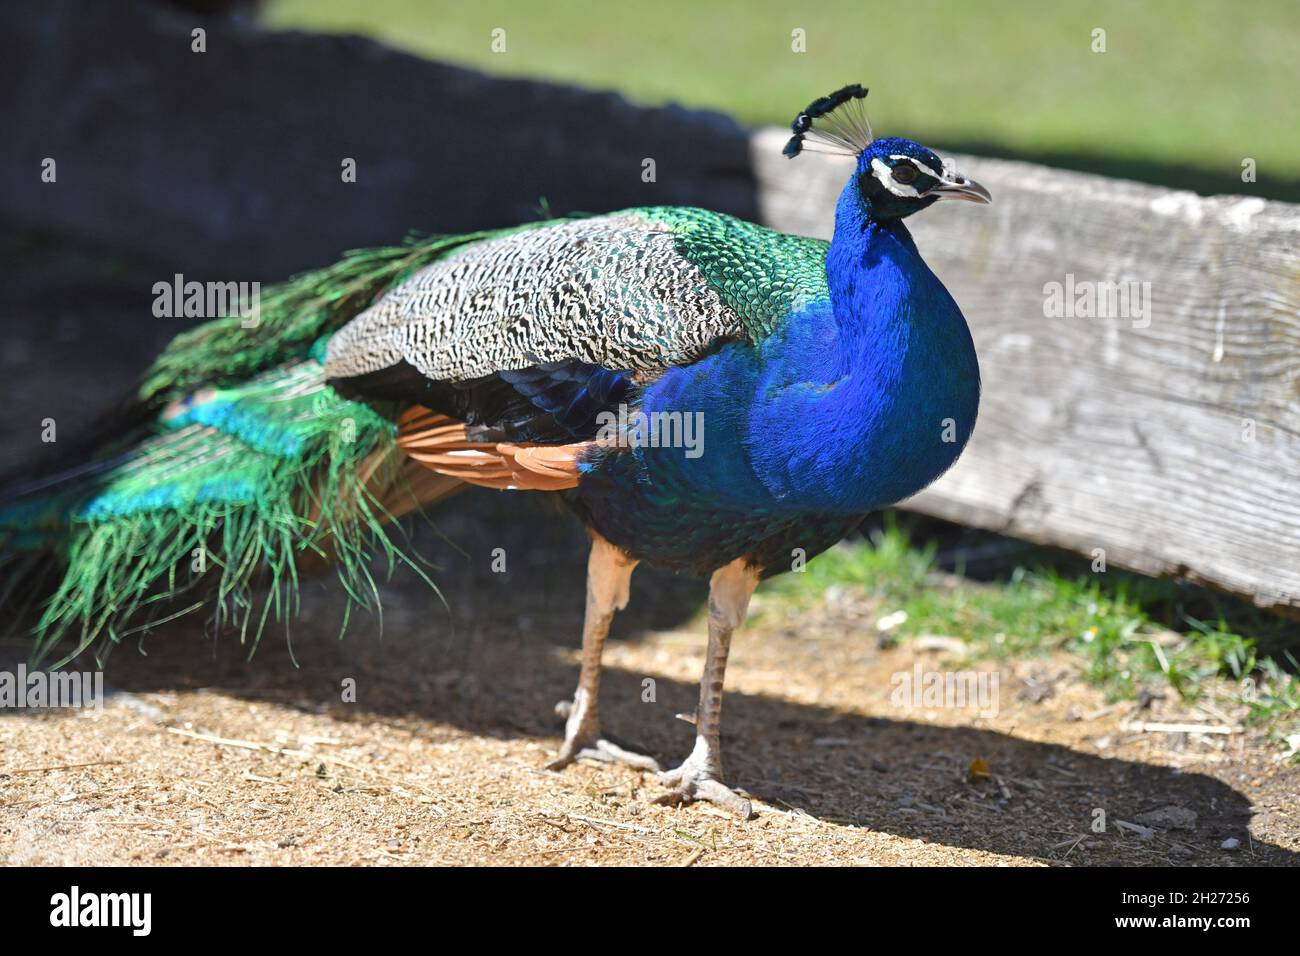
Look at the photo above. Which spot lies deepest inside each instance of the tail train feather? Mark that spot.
(250, 465)
(233, 493)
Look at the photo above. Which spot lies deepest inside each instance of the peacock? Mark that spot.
(704, 394)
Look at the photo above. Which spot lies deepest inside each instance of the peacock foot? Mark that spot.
(697, 779)
(583, 740)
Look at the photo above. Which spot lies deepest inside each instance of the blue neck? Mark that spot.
(899, 380)
(872, 269)
(842, 408)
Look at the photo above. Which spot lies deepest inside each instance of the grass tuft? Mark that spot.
(1130, 632)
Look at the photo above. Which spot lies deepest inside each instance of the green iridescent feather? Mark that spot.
(224, 498)
(760, 273)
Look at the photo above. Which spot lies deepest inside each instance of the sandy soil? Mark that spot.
(202, 757)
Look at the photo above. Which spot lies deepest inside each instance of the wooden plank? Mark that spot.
(1170, 439)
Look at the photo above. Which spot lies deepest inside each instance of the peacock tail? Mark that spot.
(246, 463)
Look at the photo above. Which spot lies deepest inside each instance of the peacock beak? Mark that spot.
(957, 186)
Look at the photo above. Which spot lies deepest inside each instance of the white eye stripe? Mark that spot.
(919, 165)
(885, 174)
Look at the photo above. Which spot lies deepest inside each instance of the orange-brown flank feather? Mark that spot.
(440, 443)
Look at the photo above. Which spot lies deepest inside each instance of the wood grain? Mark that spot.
(1170, 441)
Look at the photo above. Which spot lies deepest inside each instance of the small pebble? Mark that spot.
(891, 621)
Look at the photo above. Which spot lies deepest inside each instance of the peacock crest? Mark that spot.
(844, 129)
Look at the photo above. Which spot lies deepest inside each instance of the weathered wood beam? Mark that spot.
(1169, 436)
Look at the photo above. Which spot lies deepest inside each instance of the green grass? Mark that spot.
(1185, 90)
(1130, 632)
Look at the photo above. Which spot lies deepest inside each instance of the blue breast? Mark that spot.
(853, 403)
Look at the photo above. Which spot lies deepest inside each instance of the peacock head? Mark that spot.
(895, 177)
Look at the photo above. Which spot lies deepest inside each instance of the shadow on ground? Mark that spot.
(496, 662)
(496, 657)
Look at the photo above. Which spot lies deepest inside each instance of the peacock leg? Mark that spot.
(700, 777)
(609, 572)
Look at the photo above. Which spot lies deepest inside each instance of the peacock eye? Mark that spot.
(905, 173)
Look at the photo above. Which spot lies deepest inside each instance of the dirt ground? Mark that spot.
(201, 757)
